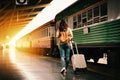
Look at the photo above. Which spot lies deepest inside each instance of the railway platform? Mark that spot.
(16, 65)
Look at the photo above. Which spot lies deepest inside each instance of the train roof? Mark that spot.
(79, 5)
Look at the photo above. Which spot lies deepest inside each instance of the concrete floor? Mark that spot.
(15, 65)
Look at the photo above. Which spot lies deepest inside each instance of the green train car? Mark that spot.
(96, 29)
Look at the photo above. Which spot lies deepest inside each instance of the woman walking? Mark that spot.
(65, 35)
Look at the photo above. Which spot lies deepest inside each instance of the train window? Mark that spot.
(89, 14)
(75, 25)
(89, 22)
(51, 31)
(79, 20)
(74, 18)
(44, 33)
(75, 22)
(96, 11)
(103, 18)
(96, 20)
(84, 20)
(103, 9)
(83, 14)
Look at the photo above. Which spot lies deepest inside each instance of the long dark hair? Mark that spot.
(63, 26)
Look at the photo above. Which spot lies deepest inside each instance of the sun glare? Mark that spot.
(46, 15)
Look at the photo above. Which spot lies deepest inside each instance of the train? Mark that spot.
(96, 30)
(38, 41)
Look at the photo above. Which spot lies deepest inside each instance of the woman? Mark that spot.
(65, 36)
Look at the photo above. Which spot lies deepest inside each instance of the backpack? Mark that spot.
(64, 36)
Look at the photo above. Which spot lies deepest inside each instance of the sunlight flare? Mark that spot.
(43, 17)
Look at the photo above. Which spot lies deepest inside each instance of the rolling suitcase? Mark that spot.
(78, 60)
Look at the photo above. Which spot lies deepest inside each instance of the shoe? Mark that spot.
(63, 70)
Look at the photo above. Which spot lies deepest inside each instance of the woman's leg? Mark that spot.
(67, 54)
(62, 56)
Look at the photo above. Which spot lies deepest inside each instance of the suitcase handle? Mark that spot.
(75, 48)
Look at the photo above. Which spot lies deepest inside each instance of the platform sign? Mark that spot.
(21, 2)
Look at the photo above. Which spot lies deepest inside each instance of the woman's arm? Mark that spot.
(70, 34)
(57, 34)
